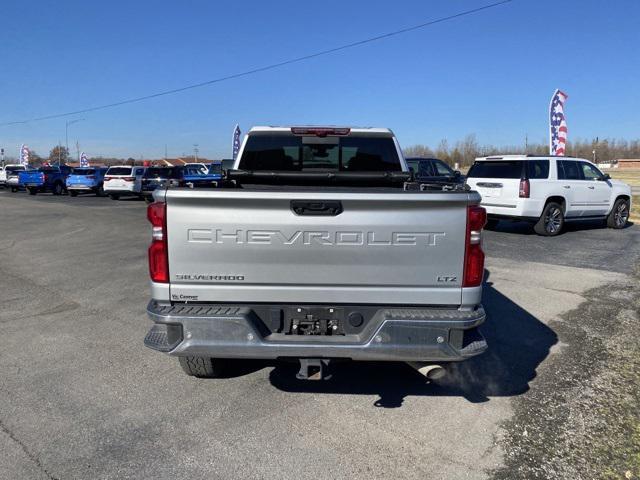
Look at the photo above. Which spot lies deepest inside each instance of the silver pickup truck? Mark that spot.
(320, 247)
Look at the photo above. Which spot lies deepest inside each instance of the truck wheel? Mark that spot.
(619, 214)
(201, 367)
(57, 189)
(551, 221)
(32, 191)
(114, 196)
(14, 189)
(73, 193)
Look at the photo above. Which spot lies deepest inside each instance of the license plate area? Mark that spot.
(487, 189)
(318, 321)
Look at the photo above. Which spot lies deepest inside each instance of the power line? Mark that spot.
(265, 68)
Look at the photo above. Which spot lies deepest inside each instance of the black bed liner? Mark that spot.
(380, 182)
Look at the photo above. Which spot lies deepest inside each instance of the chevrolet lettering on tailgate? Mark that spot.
(314, 237)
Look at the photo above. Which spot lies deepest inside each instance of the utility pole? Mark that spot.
(66, 131)
(195, 152)
(526, 143)
(78, 151)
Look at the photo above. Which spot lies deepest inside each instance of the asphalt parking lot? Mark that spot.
(80, 397)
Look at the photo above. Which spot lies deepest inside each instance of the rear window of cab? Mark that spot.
(119, 171)
(300, 153)
(532, 169)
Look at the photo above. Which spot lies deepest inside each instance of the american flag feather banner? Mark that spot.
(236, 141)
(24, 155)
(557, 124)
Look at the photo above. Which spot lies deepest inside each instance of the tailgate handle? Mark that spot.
(328, 208)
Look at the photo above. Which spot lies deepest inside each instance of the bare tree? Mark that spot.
(419, 151)
(58, 154)
(466, 150)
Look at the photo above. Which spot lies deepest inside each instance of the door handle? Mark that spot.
(592, 188)
(328, 208)
(567, 186)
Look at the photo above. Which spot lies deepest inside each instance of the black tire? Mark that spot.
(148, 198)
(114, 196)
(619, 215)
(492, 223)
(14, 189)
(201, 367)
(32, 191)
(551, 221)
(73, 193)
(100, 191)
(57, 188)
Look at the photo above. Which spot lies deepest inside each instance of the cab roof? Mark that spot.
(288, 130)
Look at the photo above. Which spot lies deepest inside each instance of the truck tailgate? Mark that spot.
(31, 178)
(250, 246)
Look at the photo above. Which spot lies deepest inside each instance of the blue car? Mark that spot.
(198, 176)
(86, 180)
(44, 179)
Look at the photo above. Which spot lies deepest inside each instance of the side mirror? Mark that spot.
(456, 173)
(605, 177)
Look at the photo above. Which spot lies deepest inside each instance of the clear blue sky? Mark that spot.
(491, 73)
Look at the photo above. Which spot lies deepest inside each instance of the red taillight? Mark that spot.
(158, 252)
(90, 177)
(525, 188)
(473, 254)
(320, 131)
(128, 179)
(44, 177)
(106, 179)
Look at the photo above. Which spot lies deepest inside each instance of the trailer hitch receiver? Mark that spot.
(313, 369)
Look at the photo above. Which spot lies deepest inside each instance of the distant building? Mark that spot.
(77, 164)
(629, 163)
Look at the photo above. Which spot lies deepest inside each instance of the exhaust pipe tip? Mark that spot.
(430, 371)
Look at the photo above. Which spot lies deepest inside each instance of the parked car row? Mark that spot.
(115, 182)
(544, 190)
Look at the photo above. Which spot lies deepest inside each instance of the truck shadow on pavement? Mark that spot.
(526, 228)
(518, 343)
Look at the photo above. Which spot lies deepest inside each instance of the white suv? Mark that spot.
(123, 180)
(548, 191)
(9, 176)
